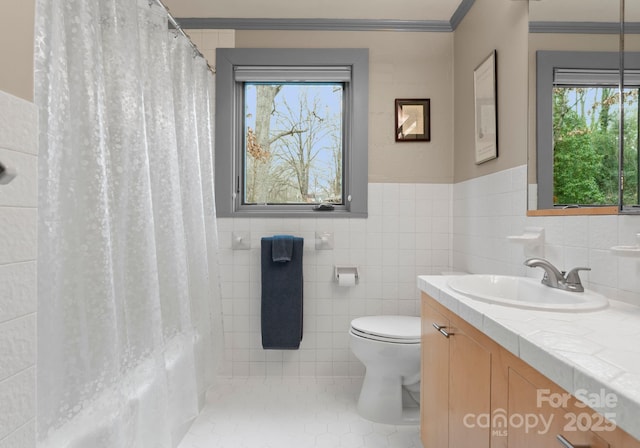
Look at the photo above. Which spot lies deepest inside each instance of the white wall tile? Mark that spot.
(386, 246)
(18, 300)
(17, 345)
(22, 191)
(478, 237)
(17, 401)
(604, 268)
(628, 275)
(23, 437)
(603, 232)
(18, 237)
(462, 226)
(18, 124)
(575, 231)
(18, 292)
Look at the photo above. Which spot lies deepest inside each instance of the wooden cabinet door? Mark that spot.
(523, 404)
(469, 392)
(456, 379)
(534, 422)
(434, 387)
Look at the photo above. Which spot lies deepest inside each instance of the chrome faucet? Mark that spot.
(554, 278)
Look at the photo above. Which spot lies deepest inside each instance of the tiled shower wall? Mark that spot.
(18, 247)
(488, 209)
(406, 234)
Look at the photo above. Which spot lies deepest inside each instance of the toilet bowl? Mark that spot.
(389, 348)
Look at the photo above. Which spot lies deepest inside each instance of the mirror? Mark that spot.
(581, 39)
(631, 162)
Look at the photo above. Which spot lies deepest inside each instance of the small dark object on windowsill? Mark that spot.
(324, 207)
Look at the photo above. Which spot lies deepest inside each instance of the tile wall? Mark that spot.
(485, 211)
(18, 248)
(488, 209)
(412, 229)
(406, 234)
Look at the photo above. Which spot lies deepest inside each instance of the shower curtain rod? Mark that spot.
(178, 28)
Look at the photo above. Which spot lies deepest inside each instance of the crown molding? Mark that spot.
(438, 26)
(631, 27)
(315, 24)
(460, 13)
(583, 27)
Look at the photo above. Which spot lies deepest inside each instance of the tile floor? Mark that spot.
(291, 413)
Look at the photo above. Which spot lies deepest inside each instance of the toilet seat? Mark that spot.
(392, 329)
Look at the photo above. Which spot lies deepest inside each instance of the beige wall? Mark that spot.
(16, 47)
(402, 65)
(501, 25)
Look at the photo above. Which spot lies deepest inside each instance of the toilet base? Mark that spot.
(381, 400)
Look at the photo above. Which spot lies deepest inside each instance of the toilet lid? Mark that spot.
(396, 329)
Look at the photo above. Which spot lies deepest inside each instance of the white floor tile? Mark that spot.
(291, 413)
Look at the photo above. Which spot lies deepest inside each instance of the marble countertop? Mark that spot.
(590, 354)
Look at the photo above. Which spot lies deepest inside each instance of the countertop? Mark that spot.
(592, 355)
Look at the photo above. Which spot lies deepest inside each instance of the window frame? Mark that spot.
(546, 64)
(229, 138)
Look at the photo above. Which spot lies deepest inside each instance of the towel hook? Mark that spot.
(240, 240)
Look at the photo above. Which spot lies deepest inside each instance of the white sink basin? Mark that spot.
(523, 292)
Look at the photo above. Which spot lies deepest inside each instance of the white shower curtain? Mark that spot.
(129, 326)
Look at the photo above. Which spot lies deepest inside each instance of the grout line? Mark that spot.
(18, 373)
(30, 421)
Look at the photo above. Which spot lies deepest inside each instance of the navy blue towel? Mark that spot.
(281, 314)
(281, 248)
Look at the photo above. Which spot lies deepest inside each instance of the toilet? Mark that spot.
(389, 348)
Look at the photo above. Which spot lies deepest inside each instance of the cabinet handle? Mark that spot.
(566, 444)
(442, 330)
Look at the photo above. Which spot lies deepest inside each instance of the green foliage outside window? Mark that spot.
(585, 130)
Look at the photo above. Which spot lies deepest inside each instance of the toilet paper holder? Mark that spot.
(346, 270)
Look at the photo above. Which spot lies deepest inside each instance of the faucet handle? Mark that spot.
(573, 279)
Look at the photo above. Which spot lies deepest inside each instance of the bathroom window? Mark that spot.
(578, 142)
(291, 132)
(585, 137)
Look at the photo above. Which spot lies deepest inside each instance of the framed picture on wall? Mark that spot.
(486, 109)
(413, 121)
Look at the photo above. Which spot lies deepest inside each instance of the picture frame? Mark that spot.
(485, 88)
(413, 120)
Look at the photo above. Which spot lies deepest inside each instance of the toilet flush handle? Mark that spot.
(442, 330)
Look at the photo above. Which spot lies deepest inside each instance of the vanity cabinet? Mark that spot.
(476, 394)
(450, 394)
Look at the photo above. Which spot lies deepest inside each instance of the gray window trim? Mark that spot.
(226, 140)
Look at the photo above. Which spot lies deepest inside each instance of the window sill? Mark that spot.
(295, 214)
(608, 210)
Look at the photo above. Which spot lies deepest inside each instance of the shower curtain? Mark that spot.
(129, 325)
